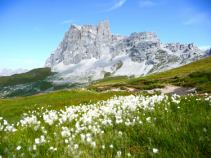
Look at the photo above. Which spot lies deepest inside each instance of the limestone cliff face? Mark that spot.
(82, 42)
(98, 45)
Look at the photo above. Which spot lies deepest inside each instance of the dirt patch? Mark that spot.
(171, 89)
(168, 89)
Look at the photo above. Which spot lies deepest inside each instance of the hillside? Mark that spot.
(29, 83)
(111, 123)
(196, 74)
(12, 109)
(28, 77)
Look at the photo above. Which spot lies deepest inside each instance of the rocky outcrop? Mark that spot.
(95, 50)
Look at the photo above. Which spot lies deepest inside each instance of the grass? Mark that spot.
(196, 74)
(175, 129)
(12, 108)
(111, 80)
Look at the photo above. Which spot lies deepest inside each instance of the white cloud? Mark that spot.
(68, 21)
(117, 4)
(146, 3)
(198, 18)
(204, 47)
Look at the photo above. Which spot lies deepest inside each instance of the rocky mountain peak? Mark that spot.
(90, 51)
(104, 28)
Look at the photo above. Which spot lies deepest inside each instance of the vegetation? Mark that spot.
(131, 126)
(71, 122)
(28, 77)
(11, 109)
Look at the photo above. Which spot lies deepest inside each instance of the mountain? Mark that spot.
(35, 81)
(9, 72)
(92, 52)
(195, 75)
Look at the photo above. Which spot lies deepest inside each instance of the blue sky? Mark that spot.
(31, 29)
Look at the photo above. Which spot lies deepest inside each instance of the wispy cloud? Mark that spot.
(117, 4)
(67, 21)
(146, 3)
(198, 18)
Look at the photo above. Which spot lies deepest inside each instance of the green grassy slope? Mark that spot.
(28, 77)
(175, 129)
(12, 109)
(196, 74)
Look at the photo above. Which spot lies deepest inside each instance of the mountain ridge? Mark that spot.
(90, 52)
(196, 74)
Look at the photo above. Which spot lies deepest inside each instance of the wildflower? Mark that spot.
(103, 146)
(119, 153)
(76, 146)
(18, 148)
(128, 154)
(83, 137)
(5, 122)
(205, 130)
(40, 140)
(65, 132)
(50, 117)
(51, 148)
(29, 121)
(111, 146)
(148, 119)
(120, 133)
(155, 150)
(66, 141)
(37, 141)
(34, 147)
(93, 144)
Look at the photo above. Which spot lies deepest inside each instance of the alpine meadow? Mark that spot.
(105, 79)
